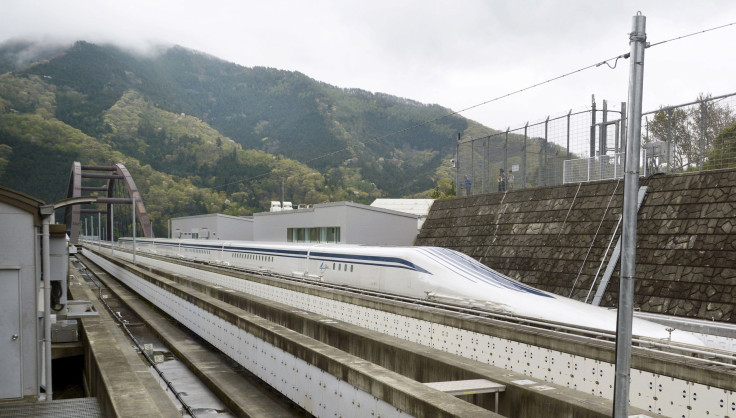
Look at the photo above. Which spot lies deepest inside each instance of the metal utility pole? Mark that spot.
(99, 231)
(637, 40)
(47, 212)
(112, 230)
(133, 228)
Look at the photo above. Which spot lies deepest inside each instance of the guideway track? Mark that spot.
(243, 397)
(413, 360)
(388, 393)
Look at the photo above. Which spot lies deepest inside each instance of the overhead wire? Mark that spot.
(692, 34)
(457, 112)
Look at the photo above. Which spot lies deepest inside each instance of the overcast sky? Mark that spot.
(455, 53)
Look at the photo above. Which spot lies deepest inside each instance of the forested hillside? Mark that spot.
(203, 135)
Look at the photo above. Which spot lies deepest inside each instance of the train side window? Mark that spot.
(351, 268)
(333, 266)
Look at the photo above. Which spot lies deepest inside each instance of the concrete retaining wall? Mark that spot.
(556, 239)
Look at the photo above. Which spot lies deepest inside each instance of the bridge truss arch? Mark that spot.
(118, 189)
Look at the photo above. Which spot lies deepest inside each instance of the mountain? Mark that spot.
(190, 122)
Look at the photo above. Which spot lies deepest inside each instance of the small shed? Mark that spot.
(20, 274)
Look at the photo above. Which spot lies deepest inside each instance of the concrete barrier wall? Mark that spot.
(557, 239)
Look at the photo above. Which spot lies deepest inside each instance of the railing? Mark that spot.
(587, 146)
(606, 167)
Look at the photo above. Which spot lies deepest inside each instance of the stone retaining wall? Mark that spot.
(557, 239)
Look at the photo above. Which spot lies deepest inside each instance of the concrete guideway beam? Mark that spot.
(523, 396)
(543, 355)
(267, 348)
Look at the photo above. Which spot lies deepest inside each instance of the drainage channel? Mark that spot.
(179, 382)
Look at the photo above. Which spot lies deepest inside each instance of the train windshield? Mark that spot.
(475, 271)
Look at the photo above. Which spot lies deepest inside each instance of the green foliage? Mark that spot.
(201, 135)
(723, 152)
(43, 152)
(26, 95)
(445, 189)
(684, 127)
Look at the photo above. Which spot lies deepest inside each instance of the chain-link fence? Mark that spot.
(694, 136)
(590, 145)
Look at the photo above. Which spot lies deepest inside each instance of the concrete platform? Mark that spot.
(65, 408)
(114, 372)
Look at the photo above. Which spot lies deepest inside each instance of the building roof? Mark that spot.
(216, 215)
(22, 201)
(418, 207)
(336, 204)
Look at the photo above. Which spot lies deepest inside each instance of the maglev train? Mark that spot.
(432, 273)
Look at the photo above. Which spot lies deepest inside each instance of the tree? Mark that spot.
(690, 131)
(445, 188)
(723, 153)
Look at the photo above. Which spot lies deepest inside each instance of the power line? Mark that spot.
(692, 34)
(427, 122)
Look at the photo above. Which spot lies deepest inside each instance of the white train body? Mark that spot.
(417, 272)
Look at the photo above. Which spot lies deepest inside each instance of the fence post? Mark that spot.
(592, 128)
(703, 114)
(623, 128)
(506, 152)
(523, 159)
(472, 166)
(487, 167)
(568, 134)
(457, 166)
(483, 169)
(546, 169)
(603, 139)
(670, 140)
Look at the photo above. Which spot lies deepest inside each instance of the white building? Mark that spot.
(419, 207)
(214, 226)
(339, 222)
